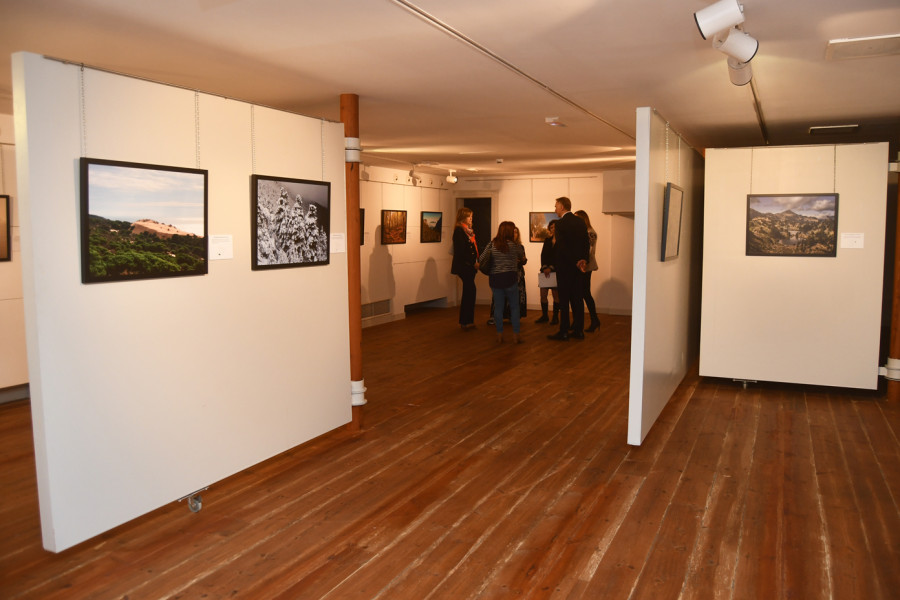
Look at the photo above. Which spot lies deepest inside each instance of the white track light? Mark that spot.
(739, 72)
(451, 178)
(736, 44)
(724, 14)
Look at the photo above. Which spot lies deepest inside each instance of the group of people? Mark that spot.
(569, 252)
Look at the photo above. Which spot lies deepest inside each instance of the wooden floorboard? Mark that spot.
(486, 470)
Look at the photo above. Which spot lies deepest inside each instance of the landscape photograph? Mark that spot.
(141, 221)
(291, 222)
(431, 227)
(393, 227)
(792, 225)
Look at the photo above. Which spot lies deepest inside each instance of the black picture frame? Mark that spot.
(801, 225)
(290, 224)
(362, 227)
(673, 208)
(537, 225)
(5, 229)
(142, 221)
(393, 227)
(431, 227)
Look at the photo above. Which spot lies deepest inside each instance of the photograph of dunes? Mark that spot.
(141, 221)
(792, 224)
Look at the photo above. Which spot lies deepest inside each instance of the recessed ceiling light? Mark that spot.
(554, 122)
(864, 47)
(833, 129)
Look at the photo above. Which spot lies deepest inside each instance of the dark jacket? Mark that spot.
(572, 242)
(465, 254)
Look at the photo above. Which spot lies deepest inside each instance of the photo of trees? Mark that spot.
(291, 222)
(792, 225)
(393, 226)
(141, 221)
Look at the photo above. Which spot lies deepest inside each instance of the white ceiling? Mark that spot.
(426, 96)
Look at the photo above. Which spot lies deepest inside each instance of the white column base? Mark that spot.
(358, 392)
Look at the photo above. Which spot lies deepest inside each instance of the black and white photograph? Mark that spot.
(141, 221)
(291, 222)
(792, 224)
(673, 202)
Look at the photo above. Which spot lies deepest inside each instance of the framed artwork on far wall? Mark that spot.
(431, 227)
(141, 221)
(792, 224)
(362, 227)
(5, 245)
(673, 202)
(290, 225)
(537, 225)
(393, 227)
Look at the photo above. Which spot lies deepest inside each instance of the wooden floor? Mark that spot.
(488, 470)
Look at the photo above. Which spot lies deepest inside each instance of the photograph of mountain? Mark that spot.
(141, 221)
(431, 227)
(290, 224)
(792, 225)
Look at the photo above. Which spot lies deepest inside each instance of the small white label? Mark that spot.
(338, 243)
(853, 240)
(221, 247)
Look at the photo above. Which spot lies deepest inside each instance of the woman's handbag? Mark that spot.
(485, 267)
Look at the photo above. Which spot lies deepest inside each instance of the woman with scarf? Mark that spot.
(465, 265)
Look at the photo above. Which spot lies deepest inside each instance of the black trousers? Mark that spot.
(467, 303)
(570, 285)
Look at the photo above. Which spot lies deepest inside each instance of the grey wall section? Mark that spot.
(811, 320)
(146, 391)
(666, 298)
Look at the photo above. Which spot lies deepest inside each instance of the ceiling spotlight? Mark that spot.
(451, 178)
(736, 44)
(414, 177)
(554, 122)
(724, 14)
(739, 72)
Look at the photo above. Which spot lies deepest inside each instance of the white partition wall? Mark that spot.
(146, 391)
(665, 310)
(811, 320)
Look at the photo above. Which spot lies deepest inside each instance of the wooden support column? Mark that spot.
(350, 119)
(893, 387)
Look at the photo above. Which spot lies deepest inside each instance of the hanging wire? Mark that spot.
(2, 170)
(83, 115)
(323, 149)
(197, 126)
(667, 152)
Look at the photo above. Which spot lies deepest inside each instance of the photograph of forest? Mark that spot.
(431, 227)
(537, 225)
(792, 225)
(141, 221)
(290, 222)
(393, 226)
(4, 228)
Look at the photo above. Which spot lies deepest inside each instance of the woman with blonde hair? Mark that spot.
(465, 265)
(503, 255)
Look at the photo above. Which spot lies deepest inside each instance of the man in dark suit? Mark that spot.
(572, 252)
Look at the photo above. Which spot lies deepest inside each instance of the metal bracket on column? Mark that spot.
(352, 150)
(891, 370)
(358, 392)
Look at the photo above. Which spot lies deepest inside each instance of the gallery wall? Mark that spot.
(666, 306)
(796, 319)
(146, 391)
(13, 364)
(415, 272)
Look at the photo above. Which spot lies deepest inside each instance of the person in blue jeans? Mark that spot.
(503, 256)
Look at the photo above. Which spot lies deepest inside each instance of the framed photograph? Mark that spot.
(5, 242)
(362, 227)
(792, 224)
(537, 225)
(141, 221)
(431, 227)
(393, 227)
(673, 202)
(290, 223)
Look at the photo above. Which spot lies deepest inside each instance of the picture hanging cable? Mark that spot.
(197, 126)
(83, 114)
(322, 123)
(667, 152)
